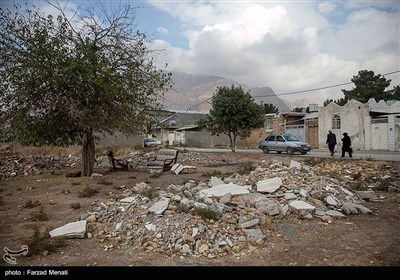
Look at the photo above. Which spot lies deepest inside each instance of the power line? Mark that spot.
(295, 92)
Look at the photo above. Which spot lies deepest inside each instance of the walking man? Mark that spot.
(331, 141)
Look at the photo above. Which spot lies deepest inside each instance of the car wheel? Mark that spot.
(265, 150)
(290, 151)
(279, 152)
(304, 153)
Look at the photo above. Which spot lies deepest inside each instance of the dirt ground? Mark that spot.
(356, 240)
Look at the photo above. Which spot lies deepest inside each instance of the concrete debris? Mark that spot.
(231, 220)
(70, 230)
(269, 185)
(223, 216)
(353, 208)
(223, 189)
(178, 168)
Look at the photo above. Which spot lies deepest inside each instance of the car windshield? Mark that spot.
(289, 137)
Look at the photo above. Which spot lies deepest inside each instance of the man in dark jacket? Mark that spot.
(331, 141)
(346, 147)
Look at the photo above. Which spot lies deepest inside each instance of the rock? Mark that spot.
(70, 230)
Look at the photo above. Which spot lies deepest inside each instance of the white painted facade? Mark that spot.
(352, 117)
(371, 126)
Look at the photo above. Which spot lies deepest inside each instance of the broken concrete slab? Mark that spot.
(249, 224)
(160, 206)
(353, 208)
(334, 213)
(301, 205)
(302, 209)
(128, 199)
(255, 235)
(215, 181)
(365, 195)
(290, 196)
(226, 198)
(333, 201)
(70, 230)
(294, 164)
(269, 185)
(178, 168)
(224, 189)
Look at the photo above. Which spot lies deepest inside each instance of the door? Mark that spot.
(380, 135)
(171, 137)
(280, 144)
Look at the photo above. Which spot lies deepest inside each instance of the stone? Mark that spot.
(334, 213)
(254, 235)
(269, 185)
(159, 207)
(249, 224)
(70, 230)
(221, 190)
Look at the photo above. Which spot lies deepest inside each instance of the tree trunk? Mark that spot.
(88, 152)
(232, 142)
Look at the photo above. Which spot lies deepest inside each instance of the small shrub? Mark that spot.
(38, 216)
(155, 175)
(104, 182)
(88, 192)
(75, 205)
(41, 242)
(138, 147)
(246, 168)
(212, 173)
(309, 161)
(357, 175)
(30, 204)
(150, 193)
(181, 208)
(206, 213)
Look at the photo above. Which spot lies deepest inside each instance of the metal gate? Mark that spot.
(171, 137)
(380, 135)
(296, 130)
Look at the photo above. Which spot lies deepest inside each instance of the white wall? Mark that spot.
(352, 116)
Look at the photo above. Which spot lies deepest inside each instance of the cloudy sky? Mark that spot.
(290, 46)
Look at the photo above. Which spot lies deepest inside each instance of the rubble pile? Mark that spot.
(229, 215)
(11, 166)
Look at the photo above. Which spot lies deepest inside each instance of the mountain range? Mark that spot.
(192, 92)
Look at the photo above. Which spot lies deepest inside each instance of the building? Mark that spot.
(371, 125)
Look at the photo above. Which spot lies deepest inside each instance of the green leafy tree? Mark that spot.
(298, 110)
(233, 113)
(340, 101)
(270, 108)
(395, 93)
(65, 80)
(368, 85)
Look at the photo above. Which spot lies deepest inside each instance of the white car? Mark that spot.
(149, 142)
(284, 143)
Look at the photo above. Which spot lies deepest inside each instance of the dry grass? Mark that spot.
(41, 243)
(88, 192)
(48, 150)
(74, 150)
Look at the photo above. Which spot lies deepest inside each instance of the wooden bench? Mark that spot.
(165, 158)
(117, 164)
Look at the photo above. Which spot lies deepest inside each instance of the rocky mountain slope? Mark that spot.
(194, 92)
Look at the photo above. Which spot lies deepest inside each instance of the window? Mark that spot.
(336, 122)
(271, 138)
(270, 124)
(279, 138)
